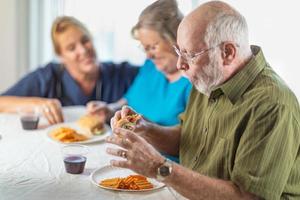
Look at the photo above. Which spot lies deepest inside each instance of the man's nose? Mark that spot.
(181, 65)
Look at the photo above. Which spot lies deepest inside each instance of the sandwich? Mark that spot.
(128, 122)
(91, 125)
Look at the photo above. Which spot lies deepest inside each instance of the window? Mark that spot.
(110, 23)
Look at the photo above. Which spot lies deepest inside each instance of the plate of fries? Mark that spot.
(125, 180)
(71, 132)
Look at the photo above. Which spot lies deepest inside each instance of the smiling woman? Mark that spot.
(76, 80)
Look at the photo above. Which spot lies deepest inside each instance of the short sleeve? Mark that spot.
(267, 151)
(27, 86)
(39, 83)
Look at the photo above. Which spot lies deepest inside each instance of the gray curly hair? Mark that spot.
(162, 16)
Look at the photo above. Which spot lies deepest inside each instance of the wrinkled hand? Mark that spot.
(140, 156)
(142, 126)
(52, 110)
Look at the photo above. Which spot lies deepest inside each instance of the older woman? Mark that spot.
(78, 79)
(159, 92)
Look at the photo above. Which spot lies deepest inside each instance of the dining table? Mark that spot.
(32, 167)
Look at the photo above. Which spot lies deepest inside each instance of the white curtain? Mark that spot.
(41, 15)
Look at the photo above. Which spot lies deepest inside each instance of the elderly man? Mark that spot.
(240, 134)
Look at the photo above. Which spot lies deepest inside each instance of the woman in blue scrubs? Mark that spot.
(76, 80)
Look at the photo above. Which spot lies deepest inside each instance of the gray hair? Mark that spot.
(228, 27)
(162, 16)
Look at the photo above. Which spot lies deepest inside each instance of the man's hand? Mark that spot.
(140, 156)
(142, 126)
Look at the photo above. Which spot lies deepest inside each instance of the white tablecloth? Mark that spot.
(31, 167)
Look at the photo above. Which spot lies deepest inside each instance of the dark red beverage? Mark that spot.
(29, 122)
(75, 164)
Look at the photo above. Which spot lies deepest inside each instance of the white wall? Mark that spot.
(13, 41)
(8, 63)
(273, 25)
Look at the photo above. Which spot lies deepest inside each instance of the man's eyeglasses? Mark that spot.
(190, 57)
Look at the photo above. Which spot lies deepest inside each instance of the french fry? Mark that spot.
(67, 135)
(132, 182)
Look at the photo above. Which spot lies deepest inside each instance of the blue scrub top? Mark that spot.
(157, 99)
(43, 82)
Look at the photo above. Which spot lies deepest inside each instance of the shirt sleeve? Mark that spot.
(267, 151)
(27, 86)
(39, 83)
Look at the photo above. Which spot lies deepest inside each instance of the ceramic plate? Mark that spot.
(113, 172)
(73, 125)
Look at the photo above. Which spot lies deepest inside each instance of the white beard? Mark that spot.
(210, 76)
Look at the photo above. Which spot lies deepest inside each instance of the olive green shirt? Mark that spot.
(247, 131)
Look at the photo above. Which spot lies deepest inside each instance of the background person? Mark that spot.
(159, 92)
(240, 134)
(78, 79)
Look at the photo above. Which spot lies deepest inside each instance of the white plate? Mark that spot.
(113, 172)
(73, 125)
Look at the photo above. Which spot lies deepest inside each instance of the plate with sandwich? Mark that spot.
(88, 129)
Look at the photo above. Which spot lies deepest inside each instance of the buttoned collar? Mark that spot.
(235, 87)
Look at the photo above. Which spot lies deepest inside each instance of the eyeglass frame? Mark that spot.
(190, 58)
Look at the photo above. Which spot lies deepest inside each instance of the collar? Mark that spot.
(235, 87)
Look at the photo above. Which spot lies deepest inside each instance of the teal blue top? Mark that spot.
(157, 99)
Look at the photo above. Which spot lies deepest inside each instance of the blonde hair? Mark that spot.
(61, 24)
(162, 16)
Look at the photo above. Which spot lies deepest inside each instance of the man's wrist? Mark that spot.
(164, 170)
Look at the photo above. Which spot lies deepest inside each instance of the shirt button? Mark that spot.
(205, 130)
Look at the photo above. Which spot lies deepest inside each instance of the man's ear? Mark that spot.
(228, 53)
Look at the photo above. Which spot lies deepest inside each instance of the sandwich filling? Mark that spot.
(128, 122)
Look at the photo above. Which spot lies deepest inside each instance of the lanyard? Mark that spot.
(59, 86)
